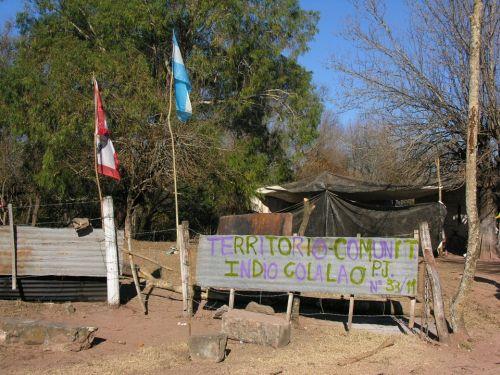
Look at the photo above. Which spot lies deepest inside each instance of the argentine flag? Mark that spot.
(181, 83)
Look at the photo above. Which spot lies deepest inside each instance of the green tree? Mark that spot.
(255, 109)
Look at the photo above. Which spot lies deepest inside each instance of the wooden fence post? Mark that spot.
(413, 301)
(13, 247)
(134, 272)
(112, 271)
(183, 258)
(351, 312)
(308, 209)
(289, 307)
(437, 296)
(187, 261)
(231, 298)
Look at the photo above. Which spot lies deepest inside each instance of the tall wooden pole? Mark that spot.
(174, 167)
(181, 246)
(94, 82)
(13, 247)
(440, 187)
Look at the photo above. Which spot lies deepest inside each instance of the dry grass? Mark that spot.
(315, 348)
(144, 361)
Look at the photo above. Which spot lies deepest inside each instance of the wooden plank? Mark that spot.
(13, 248)
(289, 307)
(437, 296)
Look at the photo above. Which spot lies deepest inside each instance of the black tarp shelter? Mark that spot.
(347, 207)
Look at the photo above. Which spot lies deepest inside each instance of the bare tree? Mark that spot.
(417, 83)
(329, 152)
(473, 249)
(363, 149)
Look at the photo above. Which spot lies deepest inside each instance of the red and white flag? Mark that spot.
(107, 160)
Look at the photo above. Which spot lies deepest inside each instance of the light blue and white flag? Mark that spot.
(181, 83)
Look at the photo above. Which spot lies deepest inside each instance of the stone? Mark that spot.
(258, 308)
(51, 336)
(221, 311)
(211, 347)
(70, 309)
(256, 328)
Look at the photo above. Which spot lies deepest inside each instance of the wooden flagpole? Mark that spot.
(174, 167)
(95, 142)
(181, 246)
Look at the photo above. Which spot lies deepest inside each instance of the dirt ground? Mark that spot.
(130, 343)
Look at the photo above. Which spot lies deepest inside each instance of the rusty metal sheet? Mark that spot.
(55, 251)
(278, 224)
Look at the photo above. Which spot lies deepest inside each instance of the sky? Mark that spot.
(333, 17)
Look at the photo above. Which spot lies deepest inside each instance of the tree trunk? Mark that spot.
(28, 212)
(34, 215)
(473, 248)
(487, 211)
(129, 222)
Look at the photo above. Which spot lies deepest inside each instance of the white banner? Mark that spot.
(337, 265)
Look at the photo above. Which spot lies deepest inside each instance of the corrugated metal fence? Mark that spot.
(55, 252)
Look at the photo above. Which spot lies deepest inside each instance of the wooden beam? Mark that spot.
(437, 295)
(187, 261)
(13, 247)
(440, 187)
(158, 283)
(308, 209)
(289, 307)
(183, 257)
(148, 259)
(134, 275)
(351, 312)
(296, 307)
(231, 298)
(388, 342)
(411, 321)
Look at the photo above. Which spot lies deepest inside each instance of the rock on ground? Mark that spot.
(208, 347)
(53, 336)
(221, 311)
(258, 308)
(256, 328)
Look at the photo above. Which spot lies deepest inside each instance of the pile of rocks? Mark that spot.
(257, 324)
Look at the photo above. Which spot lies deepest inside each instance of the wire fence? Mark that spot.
(67, 203)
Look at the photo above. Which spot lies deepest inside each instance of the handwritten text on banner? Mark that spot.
(340, 265)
